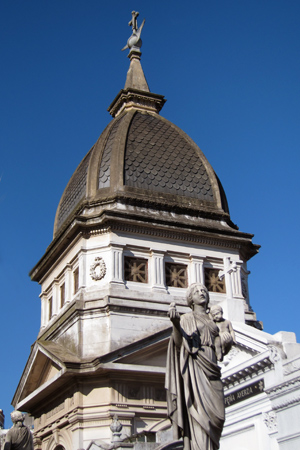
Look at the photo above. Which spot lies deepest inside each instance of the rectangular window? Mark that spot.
(50, 301)
(62, 294)
(212, 281)
(76, 279)
(136, 269)
(176, 275)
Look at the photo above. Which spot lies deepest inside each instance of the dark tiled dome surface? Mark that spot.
(104, 173)
(158, 158)
(149, 159)
(75, 190)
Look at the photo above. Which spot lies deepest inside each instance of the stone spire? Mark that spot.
(136, 93)
(135, 75)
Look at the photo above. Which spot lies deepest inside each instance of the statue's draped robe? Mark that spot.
(193, 382)
(18, 438)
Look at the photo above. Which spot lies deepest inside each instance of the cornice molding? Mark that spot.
(284, 388)
(286, 403)
(134, 98)
(291, 367)
(247, 372)
(196, 233)
(226, 242)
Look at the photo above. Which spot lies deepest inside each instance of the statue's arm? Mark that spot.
(231, 331)
(175, 319)
(218, 348)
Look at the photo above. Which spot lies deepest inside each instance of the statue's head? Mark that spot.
(197, 293)
(216, 312)
(17, 416)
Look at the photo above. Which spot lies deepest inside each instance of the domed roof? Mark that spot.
(142, 159)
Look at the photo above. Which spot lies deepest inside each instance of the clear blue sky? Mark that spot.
(230, 71)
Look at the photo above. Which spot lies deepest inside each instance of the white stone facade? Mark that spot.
(267, 419)
(111, 249)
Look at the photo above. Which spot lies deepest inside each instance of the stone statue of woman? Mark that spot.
(193, 378)
(19, 436)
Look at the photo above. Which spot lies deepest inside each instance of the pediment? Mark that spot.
(254, 353)
(50, 369)
(50, 364)
(238, 354)
(152, 351)
(148, 352)
(45, 364)
(150, 355)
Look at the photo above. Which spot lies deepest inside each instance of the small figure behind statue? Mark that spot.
(226, 331)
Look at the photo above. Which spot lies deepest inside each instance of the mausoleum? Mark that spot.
(143, 216)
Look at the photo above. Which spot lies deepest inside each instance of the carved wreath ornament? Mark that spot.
(98, 269)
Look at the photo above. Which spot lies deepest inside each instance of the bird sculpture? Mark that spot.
(134, 42)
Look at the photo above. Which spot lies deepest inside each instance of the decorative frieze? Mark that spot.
(287, 402)
(172, 234)
(55, 410)
(291, 367)
(283, 388)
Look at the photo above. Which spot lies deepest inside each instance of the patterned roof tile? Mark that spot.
(75, 191)
(158, 158)
(104, 173)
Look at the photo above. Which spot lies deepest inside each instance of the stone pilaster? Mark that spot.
(117, 265)
(157, 268)
(197, 269)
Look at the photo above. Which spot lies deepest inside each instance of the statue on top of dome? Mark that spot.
(135, 41)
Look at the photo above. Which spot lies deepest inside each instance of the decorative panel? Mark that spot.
(213, 282)
(136, 269)
(176, 275)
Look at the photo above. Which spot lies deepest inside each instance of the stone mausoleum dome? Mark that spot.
(142, 160)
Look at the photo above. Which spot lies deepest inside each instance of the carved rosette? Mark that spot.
(98, 269)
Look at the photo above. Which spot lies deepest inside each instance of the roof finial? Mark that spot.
(134, 43)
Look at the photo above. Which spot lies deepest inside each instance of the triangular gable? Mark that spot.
(44, 364)
(148, 355)
(49, 371)
(50, 363)
(250, 343)
(152, 351)
(149, 351)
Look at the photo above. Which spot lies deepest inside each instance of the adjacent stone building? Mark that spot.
(143, 216)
